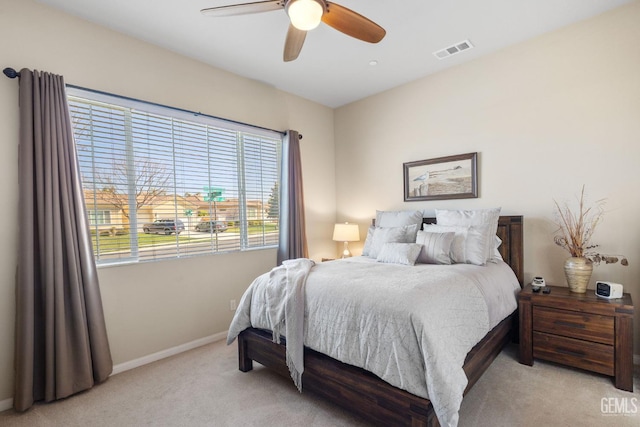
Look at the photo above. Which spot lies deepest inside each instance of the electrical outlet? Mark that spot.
(233, 305)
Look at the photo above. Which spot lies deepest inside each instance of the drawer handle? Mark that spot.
(570, 352)
(570, 324)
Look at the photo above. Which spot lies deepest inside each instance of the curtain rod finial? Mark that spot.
(300, 136)
(11, 73)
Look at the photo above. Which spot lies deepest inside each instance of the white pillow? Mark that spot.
(399, 219)
(458, 251)
(435, 247)
(409, 236)
(483, 225)
(367, 242)
(496, 255)
(399, 253)
(410, 232)
(380, 236)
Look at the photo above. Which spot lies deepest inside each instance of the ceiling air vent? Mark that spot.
(453, 49)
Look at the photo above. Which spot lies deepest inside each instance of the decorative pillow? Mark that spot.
(435, 247)
(399, 253)
(367, 242)
(399, 219)
(483, 225)
(380, 236)
(410, 232)
(496, 255)
(458, 251)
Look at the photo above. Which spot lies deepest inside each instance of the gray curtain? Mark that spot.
(61, 340)
(293, 237)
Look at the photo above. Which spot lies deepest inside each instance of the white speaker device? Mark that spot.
(608, 290)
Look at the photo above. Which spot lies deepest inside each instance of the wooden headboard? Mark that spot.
(510, 231)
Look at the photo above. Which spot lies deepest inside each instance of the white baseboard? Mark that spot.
(6, 404)
(135, 363)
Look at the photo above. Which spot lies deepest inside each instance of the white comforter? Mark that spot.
(411, 326)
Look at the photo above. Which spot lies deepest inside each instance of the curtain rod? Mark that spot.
(12, 74)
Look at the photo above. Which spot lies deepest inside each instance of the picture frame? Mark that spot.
(451, 177)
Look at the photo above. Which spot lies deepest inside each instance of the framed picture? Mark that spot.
(451, 177)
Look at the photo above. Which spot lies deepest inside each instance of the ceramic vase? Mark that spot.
(578, 273)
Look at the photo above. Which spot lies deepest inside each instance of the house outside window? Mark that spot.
(98, 218)
(157, 179)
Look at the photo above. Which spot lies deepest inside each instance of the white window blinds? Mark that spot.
(164, 183)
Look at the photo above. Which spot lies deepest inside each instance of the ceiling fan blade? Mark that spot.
(293, 44)
(352, 23)
(244, 8)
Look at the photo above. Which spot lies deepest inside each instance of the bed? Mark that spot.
(365, 393)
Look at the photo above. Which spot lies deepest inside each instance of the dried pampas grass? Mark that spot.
(575, 230)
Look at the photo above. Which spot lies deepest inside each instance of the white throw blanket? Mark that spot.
(284, 305)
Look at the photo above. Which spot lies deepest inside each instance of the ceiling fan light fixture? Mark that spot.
(305, 15)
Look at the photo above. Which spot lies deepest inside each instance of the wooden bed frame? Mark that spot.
(364, 393)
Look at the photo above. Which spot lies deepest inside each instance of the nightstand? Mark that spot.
(579, 330)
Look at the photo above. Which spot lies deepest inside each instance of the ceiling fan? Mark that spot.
(306, 15)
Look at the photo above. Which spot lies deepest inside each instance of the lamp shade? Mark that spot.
(305, 14)
(346, 232)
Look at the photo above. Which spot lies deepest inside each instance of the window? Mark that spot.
(97, 217)
(164, 183)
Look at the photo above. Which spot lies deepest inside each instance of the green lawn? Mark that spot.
(255, 229)
(122, 243)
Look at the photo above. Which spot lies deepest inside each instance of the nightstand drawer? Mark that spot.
(592, 327)
(581, 354)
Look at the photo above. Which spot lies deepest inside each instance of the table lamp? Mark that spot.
(346, 233)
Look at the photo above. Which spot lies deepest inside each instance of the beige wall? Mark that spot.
(153, 306)
(545, 116)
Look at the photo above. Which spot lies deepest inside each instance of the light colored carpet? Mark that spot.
(203, 387)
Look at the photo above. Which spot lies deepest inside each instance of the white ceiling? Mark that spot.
(333, 69)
